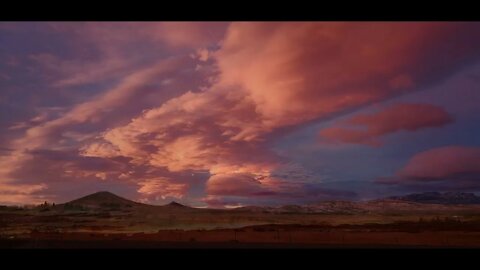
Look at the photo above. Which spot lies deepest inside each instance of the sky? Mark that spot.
(226, 114)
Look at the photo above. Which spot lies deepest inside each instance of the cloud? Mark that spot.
(367, 128)
(50, 133)
(98, 53)
(338, 67)
(189, 137)
(21, 193)
(115, 34)
(22, 189)
(288, 183)
(260, 80)
(55, 166)
(308, 195)
(246, 185)
(442, 168)
(441, 163)
(221, 202)
(161, 187)
(105, 50)
(191, 34)
(267, 82)
(80, 72)
(236, 185)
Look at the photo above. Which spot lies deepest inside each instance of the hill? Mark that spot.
(102, 199)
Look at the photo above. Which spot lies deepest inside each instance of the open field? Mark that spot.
(113, 222)
(251, 237)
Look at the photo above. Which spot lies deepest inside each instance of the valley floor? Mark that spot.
(270, 236)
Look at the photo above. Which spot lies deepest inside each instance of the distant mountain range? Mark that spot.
(107, 211)
(440, 198)
(417, 202)
(98, 215)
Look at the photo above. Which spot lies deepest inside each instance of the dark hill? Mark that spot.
(175, 204)
(102, 199)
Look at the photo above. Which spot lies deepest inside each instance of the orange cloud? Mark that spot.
(269, 77)
(22, 199)
(399, 117)
(295, 72)
(161, 187)
(49, 133)
(20, 194)
(267, 81)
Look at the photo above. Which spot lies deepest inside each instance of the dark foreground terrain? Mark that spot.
(104, 220)
(268, 236)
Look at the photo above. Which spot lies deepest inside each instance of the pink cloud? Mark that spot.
(14, 193)
(339, 66)
(113, 43)
(271, 187)
(367, 128)
(161, 187)
(221, 202)
(191, 34)
(267, 82)
(50, 133)
(22, 189)
(442, 163)
(236, 185)
(242, 189)
(78, 72)
(22, 199)
(443, 168)
(268, 77)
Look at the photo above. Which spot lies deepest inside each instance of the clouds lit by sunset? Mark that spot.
(228, 114)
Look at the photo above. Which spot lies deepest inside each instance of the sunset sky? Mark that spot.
(215, 114)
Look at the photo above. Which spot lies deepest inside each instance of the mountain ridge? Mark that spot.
(108, 200)
(105, 199)
(440, 198)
